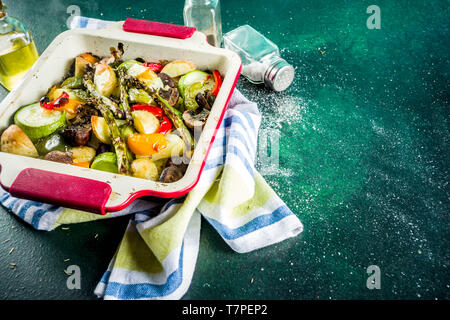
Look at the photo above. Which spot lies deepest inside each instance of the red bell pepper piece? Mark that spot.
(154, 66)
(165, 125)
(156, 111)
(217, 83)
(59, 102)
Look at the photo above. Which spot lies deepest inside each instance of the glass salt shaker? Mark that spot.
(17, 49)
(261, 61)
(204, 15)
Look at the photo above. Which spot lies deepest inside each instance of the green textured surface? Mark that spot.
(363, 159)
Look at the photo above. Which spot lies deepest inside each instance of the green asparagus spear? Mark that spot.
(120, 147)
(177, 120)
(124, 96)
(111, 105)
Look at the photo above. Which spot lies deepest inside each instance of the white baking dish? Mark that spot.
(99, 191)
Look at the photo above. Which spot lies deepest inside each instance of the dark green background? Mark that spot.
(364, 163)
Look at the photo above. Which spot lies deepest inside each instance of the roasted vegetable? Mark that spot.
(193, 120)
(73, 94)
(144, 168)
(105, 79)
(106, 161)
(89, 57)
(189, 96)
(144, 121)
(53, 142)
(81, 62)
(77, 135)
(202, 101)
(139, 96)
(165, 125)
(177, 120)
(14, 140)
(157, 67)
(38, 122)
(217, 83)
(120, 147)
(81, 164)
(101, 129)
(174, 148)
(126, 131)
(116, 54)
(178, 68)
(124, 96)
(84, 114)
(192, 77)
(59, 156)
(72, 83)
(105, 101)
(82, 154)
(166, 80)
(61, 102)
(132, 67)
(146, 144)
(171, 95)
(171, 174)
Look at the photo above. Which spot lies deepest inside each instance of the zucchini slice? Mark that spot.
(38, 122)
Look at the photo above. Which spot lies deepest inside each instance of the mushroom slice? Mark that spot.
(171, 95)
(116, 54)
(59, 156)
(192, 120)
(166, 79)
(210, 97)
(202, 102)
(77, 135)
(172, 173)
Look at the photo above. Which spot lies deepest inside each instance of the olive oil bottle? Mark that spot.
(17, 50)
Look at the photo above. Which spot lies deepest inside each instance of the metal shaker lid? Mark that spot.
(279, 75)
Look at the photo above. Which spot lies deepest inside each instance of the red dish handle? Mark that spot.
(62, 190)
(158, 28)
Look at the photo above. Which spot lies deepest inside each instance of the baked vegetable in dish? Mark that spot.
(131, 117)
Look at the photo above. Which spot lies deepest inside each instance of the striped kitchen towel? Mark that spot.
(157, 255)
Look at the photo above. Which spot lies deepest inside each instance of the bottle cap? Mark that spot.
(279, 75)
(2, 10)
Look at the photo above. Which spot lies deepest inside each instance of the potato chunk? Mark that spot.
(145, 168)
(14, 140)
